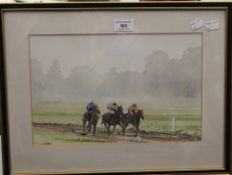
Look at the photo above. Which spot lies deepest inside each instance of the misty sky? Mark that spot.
(101, 52)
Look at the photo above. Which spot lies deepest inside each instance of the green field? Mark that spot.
(57, 112)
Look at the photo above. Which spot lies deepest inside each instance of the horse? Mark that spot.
(109, 119)
(92, 120)
(133, 119)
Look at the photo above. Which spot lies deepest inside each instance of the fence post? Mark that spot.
(173, 123)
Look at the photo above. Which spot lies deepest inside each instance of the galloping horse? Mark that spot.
(92, 120)
(112, 119)
(133, 119)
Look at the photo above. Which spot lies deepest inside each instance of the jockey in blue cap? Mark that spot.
(90, 107)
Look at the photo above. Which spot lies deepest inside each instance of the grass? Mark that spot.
(163, 123)
(50, 137)
(71, 113)
(57, 118)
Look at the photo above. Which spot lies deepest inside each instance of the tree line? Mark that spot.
(162, 76)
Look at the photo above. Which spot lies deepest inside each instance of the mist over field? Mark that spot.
(153, 77)
(160, 73)
(164, 83)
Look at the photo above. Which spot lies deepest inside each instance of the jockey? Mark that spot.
(112, 107)
(132, 109)
(90, 107)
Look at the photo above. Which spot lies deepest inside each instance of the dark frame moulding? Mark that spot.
(115, 5)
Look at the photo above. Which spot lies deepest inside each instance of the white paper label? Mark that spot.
(197, 23)
(124, 25)
(212, 25)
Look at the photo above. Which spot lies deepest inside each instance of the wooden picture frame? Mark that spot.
(199, 32)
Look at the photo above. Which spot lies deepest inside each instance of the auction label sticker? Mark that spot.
(197, 23)
(212, 25)
(126, 25)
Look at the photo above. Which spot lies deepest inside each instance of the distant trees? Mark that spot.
(37, 78)
(157, 63)
(174, 77)
(54, 81)
(179, 77)
(81, 82)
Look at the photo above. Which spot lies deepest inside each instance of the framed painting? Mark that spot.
(116, 88)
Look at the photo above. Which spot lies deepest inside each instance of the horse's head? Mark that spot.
(96, 110)
(140, 113)
(120, 109)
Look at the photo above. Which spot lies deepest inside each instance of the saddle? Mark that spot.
(109, 116)
(129, 115)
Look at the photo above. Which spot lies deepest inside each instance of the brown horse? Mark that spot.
(91, 120)
(133, 119)
(112, 119)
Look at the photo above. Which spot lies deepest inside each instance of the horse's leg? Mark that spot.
(89, 129)
(94, 129)
(108, 130)
(124, 128)
(107, 127)
(136, 131)
(114, 128)
(105, 124)
(89, 126)
(95, 126)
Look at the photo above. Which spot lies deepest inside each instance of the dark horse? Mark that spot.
(109, 119)
(133, 119)
(91, 120)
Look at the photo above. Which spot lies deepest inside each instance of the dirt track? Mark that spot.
(144, 136)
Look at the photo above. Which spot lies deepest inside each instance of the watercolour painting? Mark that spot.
(160, 75)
